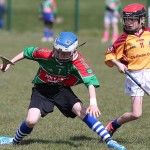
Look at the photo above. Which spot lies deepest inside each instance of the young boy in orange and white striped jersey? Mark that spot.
(131, 51)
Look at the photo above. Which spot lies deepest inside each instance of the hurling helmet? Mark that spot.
(133, 11)
(65, 42)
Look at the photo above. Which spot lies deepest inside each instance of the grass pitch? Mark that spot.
(55, 132)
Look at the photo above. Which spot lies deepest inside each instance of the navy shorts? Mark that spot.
(45, 97)
(48, 19)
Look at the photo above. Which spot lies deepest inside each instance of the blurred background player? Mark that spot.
(131, 51)
(111, 18)
(48, 11)
(2, 13)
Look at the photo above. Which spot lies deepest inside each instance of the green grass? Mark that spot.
(56, 132)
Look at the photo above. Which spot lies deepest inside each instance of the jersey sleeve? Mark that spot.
(85, 72)
(116, 51)
(91, 80)
(119, 6)
(35, 53)
(114, 5)
(54, 5)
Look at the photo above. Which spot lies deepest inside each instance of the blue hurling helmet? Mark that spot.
(65, 42)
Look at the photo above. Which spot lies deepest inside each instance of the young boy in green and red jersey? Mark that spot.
(59, 70)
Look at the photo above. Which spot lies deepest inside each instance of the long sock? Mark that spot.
(46, 32)
(51, 33)
(21, 133)
(97, 127)
(114, 36)
(115, 124)
(106, 36)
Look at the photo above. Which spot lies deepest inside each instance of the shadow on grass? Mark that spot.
(130, 141)
(83, 138)
(70, 142)
(32, 141)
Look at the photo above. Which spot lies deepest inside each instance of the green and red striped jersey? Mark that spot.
(52, 72)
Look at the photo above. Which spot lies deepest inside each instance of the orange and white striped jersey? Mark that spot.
(131, 50)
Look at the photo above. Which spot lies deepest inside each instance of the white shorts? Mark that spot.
(143, 76)
(110, 18)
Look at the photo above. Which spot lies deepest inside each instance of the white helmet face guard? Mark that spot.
(65, 46)
(61, 56)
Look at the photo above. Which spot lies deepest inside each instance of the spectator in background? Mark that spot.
(2, 12)
(48, 11)
(111, 17)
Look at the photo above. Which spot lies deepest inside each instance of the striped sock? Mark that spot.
(97, 127)
(21, 133)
